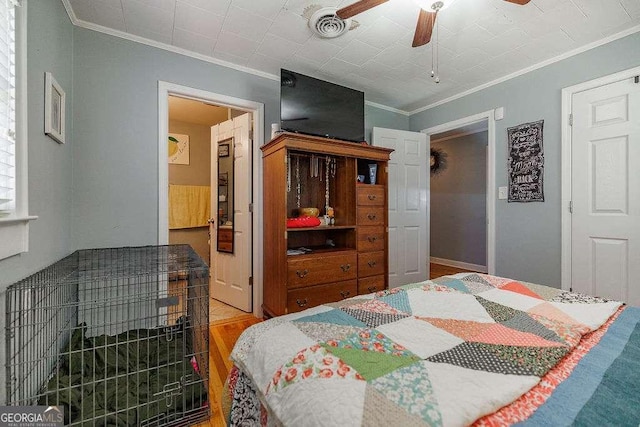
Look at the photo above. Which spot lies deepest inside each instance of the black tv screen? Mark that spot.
(316, 107)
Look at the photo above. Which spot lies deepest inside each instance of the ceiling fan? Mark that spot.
(426, 20)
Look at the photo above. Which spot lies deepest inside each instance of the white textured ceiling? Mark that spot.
(480, 41)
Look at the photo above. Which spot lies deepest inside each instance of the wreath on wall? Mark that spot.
(438, 161)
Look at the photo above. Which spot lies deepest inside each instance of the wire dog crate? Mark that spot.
(116, 336)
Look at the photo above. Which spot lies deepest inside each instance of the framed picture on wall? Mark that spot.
(178, 149)
(223, 150)
(54, 109)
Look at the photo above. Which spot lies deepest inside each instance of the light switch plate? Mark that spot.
(502, 193)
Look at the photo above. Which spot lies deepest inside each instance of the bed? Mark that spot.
(459, 350)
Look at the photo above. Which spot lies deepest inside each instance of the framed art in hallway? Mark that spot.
(54, 109)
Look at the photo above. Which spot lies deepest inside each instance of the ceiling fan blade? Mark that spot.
(426, 21)
(358, 7)
(520, 2)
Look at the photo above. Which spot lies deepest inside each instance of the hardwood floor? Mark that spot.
(223, 335)
(438, 270)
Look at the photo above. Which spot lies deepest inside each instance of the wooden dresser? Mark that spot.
(346, 258)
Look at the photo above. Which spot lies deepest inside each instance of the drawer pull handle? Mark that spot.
(345, 294)
(371, 216)
(372, 239)
(302, 303)
(372, 196)
(345, 267)
(371, 263)
(372, 288)
(302, 274)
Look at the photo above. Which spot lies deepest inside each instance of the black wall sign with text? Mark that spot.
(526, 162)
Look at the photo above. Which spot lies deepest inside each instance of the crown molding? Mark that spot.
(542, 64)
(387, 108)
(116, 33)
(131, 37)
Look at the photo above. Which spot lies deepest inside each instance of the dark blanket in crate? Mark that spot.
(137, 377)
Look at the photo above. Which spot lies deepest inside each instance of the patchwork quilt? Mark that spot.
(444, 352)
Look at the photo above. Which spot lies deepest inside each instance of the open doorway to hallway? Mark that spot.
(191, 205)
(481, 122)
(247, 187)
(458, 200)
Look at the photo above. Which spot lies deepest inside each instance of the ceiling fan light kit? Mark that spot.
(433, 6)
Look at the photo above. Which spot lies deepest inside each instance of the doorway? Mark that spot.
(481, 122)
(458, 199)
(233, 106)
(190, 168)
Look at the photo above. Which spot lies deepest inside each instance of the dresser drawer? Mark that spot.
(321, 269)
(371, 195)
(371, 284)
(370, 263)
(369, 215)
(370, 238)
(303, 298)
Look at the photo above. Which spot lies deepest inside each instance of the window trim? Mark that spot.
(15, 229)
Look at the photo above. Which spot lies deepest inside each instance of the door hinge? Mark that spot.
(251, 135)
(250, 280)
(250, 207)
(570, 206)
(571, 119)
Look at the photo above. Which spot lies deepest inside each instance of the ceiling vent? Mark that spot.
(325, 23)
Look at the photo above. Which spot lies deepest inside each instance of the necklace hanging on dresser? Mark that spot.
(326, 182)
(298, 186)
(288, 172)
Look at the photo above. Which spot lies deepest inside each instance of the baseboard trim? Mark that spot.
(458, 264)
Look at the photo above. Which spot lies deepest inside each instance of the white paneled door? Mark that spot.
(408, 207)
(231, 272)
(605, 192)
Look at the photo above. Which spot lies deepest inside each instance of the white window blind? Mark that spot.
(7, 106)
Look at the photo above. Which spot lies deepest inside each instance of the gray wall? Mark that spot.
(116, 104)
(115, 185)
(528, 239)
(376, 117)
(459, 201)
(49, 48)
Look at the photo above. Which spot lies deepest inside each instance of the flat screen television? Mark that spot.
(316, 107)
